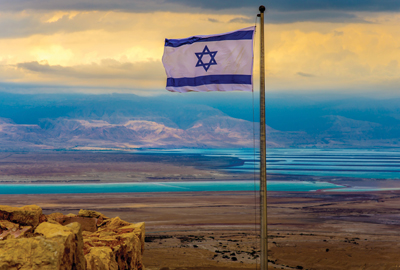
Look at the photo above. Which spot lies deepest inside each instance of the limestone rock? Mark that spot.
(59, 247)
(70, 240)
(26, 216)
(7, 225)
(36, 253)
(31, 240)
(9, 230)
(115, 223)
(42, 218)
(138, 229)
(93, 214)
(87, 223)
(24, 231)
(101, 258)
(125, 240)
(54, 216)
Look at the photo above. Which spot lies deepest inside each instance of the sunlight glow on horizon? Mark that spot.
(124, 49)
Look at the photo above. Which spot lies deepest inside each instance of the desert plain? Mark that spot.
(219, 230)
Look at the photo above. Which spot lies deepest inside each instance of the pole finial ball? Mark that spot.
(261, 9)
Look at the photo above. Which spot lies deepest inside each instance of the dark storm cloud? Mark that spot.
(296, 5)
(22, 26)
(314, 16)
(181, 5)
(85, 5)
(279, 17)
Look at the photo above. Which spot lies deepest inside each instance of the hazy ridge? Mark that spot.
(127, 121)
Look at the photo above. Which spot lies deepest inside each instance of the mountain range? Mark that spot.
(43, 121)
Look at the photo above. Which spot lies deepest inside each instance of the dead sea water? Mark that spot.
(357, 163)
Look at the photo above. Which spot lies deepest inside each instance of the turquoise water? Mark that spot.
(359, 163)
(162, 187)
(361, 189)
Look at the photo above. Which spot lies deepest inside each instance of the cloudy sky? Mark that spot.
(104, 46)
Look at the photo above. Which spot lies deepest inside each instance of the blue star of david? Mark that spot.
(200, 62)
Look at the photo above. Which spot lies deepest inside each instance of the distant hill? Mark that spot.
(64, 133)
(29, 122)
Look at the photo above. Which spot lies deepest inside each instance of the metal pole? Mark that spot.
(263, 152)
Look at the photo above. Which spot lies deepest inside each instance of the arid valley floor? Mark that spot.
(218, 230)
(208, 230)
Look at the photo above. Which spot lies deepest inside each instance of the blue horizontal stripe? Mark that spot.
(238, 35)
(209, 79)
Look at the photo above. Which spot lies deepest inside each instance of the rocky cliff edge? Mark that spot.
(89, 240)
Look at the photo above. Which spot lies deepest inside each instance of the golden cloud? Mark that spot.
(117, 49)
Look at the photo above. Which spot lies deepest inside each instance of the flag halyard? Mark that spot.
(221, 62)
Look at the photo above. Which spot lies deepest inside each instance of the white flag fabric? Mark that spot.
(221, 62)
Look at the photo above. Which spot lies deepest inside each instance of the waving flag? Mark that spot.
(221, 62)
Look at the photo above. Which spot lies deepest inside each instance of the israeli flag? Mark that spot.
(221, 62)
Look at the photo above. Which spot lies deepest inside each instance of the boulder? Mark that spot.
(70, 240)
(26, 216)
(7, 225)
(9, 230)
(42, 218)
(54, 247)
(90, 240)
(93, 214)
(54, 216)
(114, 223)
(87, 223)
(37, 253)
(125, 240)
(101, 258)
(24, 231)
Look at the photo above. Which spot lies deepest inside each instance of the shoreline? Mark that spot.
(88, 167)
(288, 185)
(159, 187)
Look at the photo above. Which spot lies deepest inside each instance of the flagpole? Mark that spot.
(263, 152)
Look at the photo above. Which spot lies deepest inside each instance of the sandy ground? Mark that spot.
(218, 230)
(106, 167)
